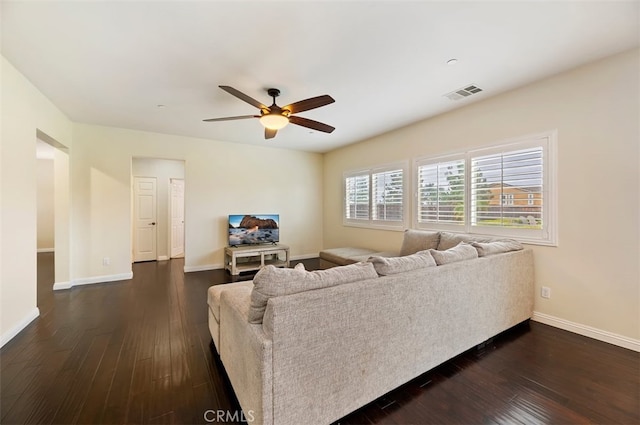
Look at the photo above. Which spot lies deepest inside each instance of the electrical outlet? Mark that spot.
(545, 292)
(106, 261)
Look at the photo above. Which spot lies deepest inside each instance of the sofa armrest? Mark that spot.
(247, 357)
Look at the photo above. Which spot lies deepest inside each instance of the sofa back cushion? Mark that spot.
(271, 281)
(386, 266)
(462, 251)
(418, 240)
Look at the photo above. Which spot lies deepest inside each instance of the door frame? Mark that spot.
(170, 230)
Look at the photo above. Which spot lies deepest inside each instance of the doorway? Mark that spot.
(45, 229)
(45, 197)
(158, 209)
(53, 216)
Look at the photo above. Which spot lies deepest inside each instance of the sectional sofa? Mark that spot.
(311, 347)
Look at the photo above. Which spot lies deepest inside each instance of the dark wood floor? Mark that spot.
(139, 352)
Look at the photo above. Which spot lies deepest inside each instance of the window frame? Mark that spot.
(548, 235)
(370, 222)
(426, 161)
(355, 174)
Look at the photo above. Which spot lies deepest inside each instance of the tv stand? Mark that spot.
(254, 257)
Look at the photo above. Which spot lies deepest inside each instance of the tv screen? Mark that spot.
(254, 229)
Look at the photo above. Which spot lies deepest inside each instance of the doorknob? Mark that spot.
(153, 224)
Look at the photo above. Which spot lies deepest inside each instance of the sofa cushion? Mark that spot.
(449, 240)
(496, 247)
(271, 281)
(344, 256)
(387, 266)
(462, 251)
(418, 240)
(383, 254)
(350, 255)
(213, 295)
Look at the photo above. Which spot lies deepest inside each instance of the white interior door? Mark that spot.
(145, 234)
(177, 218)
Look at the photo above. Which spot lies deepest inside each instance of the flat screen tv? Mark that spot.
(247, 229)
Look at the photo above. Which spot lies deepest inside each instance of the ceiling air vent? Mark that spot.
(463, 92)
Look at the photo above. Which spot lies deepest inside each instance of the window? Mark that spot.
(357, 197)
(388, 195)
(507, 199)
(502, 190)
(376, 197)
(441, 191)
(511, 176)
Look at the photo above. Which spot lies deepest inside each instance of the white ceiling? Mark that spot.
(384, 62)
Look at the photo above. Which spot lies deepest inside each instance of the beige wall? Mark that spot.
(594, 271)
(221, 178)
(45, 219)
(24, 111)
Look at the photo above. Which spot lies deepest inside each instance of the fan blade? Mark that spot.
(241, 117)
(315, 125)
(242, 96)
(311, 103)
(269, 134)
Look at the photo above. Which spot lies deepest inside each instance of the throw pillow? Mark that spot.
(418, 240)
(386, 266)
(271, 281)
(462, 251)
(496, 247)
(449, 240)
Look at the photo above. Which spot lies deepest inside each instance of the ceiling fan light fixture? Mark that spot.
(274, 117)
(274, 121)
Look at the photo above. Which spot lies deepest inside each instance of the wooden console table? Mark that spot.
(255, 256)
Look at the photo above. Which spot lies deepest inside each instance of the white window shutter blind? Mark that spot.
(441, 192)
(388, 195)
(357, 197)
(507, 189)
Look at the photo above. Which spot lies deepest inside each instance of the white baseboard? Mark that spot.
(8, 336)
(45, 250)
(61, 285)
(163, 258)
(588, 331)
(92, 280)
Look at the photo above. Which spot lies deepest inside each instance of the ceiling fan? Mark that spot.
(274, 117)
